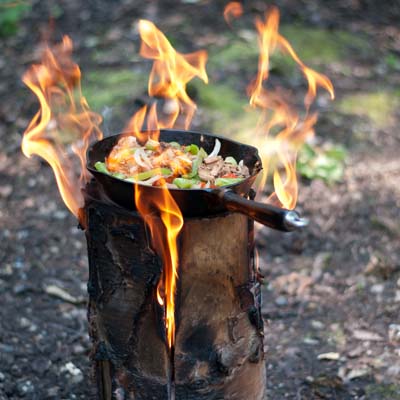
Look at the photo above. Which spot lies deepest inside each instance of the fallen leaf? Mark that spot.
(366, 335)
(56, 291)
(332, 356)
(357, 373)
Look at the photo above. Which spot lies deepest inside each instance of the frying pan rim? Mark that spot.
(255, 171)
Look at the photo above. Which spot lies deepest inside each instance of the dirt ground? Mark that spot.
(332, 291)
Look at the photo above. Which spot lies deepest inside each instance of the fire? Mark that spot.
(234, 9)
(164, 236)
(63, 127)
(64, 123)
(279, 153)
(170, 74)
(168, 79)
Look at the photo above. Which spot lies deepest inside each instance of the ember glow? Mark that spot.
(64, 124)
(280, 151)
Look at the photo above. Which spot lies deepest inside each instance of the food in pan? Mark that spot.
(180, 166)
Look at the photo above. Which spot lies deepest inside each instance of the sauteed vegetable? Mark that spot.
(180, 166)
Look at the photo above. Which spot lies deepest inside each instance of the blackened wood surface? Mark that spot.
(219, 344)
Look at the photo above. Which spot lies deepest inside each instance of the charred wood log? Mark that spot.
(219, 334)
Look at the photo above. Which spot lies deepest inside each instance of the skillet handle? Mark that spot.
(271, 216)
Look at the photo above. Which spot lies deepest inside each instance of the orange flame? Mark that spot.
(234, 9)
(64, 121)
(281, 151)
(168, 79)
(150, 204)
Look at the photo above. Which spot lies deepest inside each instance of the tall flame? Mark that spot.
(278, 116)
(151, 204)
(64, 123)
(170, 74)
(168, 79)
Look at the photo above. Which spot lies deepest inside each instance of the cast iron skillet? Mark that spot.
(199, 202)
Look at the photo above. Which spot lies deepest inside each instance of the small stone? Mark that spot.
(75, 372)
(281, 301)
(310, 341)
(394, 333)
(16, 371)
(317, 324)
(397, 296)
(378, 288)
(356, 352)
(52, 392)
(78, 349)
(24, 322)
(6, 348)
(394, 370)
(60, 215)
(5, 190)
(2, 377)
(41, 365)
(21, 288)
(24, 388)
(6, 270)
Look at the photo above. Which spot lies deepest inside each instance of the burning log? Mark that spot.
(218, 350)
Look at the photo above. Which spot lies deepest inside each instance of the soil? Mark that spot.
(332, 291)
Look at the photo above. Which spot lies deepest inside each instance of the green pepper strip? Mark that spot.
(183, 183)
(152, 145)
(192, 148)
(142, 176)
(101, 167)
(227, 181)
(201, 154)
(231, 160)
(175, 144)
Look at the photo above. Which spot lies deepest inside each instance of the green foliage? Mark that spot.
(379, 106)
(322, 46)
(383, 391)
(11, 12)
(233, 54)
(112, 87)
(325, 163)
(393, 62)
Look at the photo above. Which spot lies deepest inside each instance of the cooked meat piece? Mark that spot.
(210, 160)
(205, 174)
(216, 168)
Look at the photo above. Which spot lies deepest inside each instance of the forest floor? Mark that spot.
(332, 291)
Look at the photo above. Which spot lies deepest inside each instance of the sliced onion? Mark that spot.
(216, 149)
(151, 180)
(141, 159)
(147, 160)
(240, 163)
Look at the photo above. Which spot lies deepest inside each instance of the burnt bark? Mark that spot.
(219, 333)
